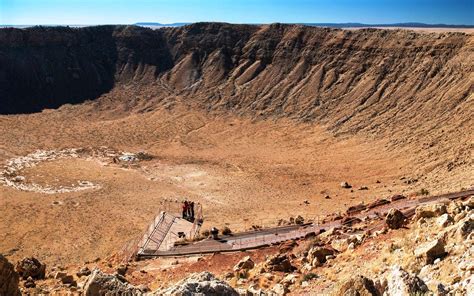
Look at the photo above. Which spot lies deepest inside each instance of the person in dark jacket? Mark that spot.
(191, 207)
(185, 209)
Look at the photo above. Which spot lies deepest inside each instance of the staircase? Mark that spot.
(156, 233)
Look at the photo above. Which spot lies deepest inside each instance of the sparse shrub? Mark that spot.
(144, 156)
(226, 231)
(205, 233)
(393, 247)
(424, 191)
(309, 276)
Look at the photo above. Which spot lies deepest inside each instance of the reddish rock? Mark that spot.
(31, 267)
(8, 278)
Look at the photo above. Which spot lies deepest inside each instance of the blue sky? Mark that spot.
(27, 12)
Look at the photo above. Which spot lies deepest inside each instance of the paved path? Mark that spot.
(265, 237)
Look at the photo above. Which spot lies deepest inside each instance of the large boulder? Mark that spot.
(402, 283)
(199, 284)
(395, 219)
(31, 267)
(357, 286)
(430, 251)
(99, 283)
(8, 278)
(430, 211)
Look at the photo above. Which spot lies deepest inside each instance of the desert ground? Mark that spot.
(244, 172)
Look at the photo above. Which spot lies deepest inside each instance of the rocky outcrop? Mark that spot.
(31, 267)
(8, 278)
(99, 283)
(204, 283)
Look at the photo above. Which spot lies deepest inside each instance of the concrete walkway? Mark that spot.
(265, 237)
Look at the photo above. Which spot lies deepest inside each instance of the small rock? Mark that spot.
(31, 267)
(349, 220)
(345, 185)
(245, 264)
(279, 262)
(469, 202)
(378, 202)
(340, 244)
(280, 290)
(320, 253)
(229, 276)
(143, 288)
(465, 228)
(299, 220)
(65, 278)
(330, 257)
(430, 211)
(358, 285)
(289, 279)
(84, 271)
(122, 269)
(444, 220)
(395, 219)
(397, 197)
(316, 263)
(30, 283)
(430, 251)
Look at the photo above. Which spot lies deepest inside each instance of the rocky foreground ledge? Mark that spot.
(428, 254)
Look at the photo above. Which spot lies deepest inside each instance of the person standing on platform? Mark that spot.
(191, 207)
(185, 209)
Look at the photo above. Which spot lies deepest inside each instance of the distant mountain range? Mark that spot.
(151, 24)
(330, 25)
(336, 25)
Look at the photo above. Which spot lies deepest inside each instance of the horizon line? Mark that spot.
(433, 25)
